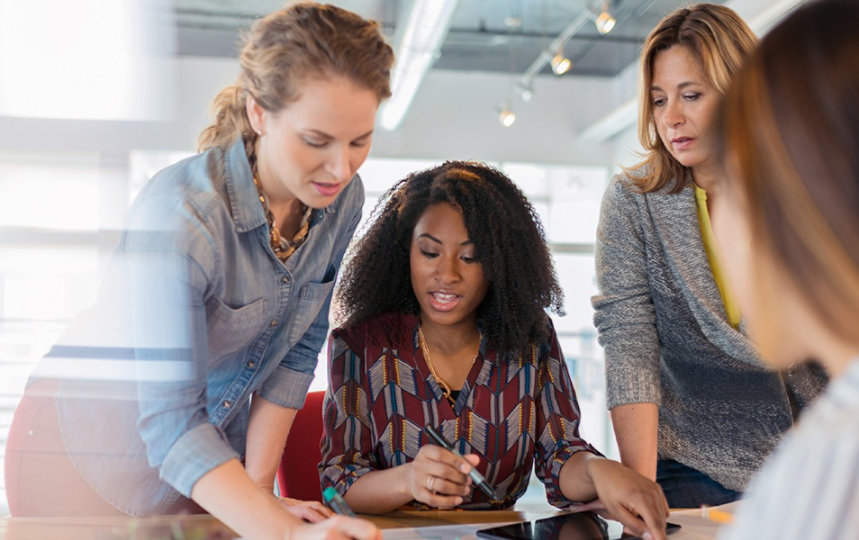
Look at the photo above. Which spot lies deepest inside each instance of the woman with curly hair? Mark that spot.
(444, 301)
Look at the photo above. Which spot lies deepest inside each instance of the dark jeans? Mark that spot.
(685, 487)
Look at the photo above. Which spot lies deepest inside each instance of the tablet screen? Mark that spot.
(577, 526)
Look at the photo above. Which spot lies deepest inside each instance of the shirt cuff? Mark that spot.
(553, 492)
(196, 453)
(341, 478)
(286, 387)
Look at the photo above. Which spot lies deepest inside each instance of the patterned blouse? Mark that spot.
(511, 413)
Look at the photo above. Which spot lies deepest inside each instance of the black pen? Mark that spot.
(473, 473)
(336, 502)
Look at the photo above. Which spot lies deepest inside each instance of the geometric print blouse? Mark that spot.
(513, 413)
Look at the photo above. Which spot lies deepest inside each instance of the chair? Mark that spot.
(298, 475)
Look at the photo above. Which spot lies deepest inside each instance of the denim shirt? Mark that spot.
(212, 317)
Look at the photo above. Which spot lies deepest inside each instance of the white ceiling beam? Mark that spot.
(427, 26)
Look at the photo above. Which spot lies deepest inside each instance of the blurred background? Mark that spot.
(97, 95)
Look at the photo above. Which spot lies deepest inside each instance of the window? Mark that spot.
(56, 227)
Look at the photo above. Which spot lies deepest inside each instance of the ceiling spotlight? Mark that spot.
(604, 22)
(560, 63)
(526, 90)
(527, 94)
(512, 22)
(506, 116)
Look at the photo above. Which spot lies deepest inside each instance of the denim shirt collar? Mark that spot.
(244, 200)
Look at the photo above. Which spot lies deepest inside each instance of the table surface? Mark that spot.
(394, 525)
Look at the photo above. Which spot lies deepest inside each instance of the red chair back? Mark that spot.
(298, 475)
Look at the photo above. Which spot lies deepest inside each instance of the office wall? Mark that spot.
(453, 116)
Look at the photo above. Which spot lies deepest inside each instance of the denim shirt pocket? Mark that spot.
(311, 297)
(231, 328)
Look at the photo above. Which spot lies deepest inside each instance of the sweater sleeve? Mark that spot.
(624, 312)
(347, 447)
(558, 419)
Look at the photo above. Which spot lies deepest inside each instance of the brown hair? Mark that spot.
(721, 41)
(789, 127)
(299, 41)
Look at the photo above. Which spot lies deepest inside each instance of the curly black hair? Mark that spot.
(509, 243)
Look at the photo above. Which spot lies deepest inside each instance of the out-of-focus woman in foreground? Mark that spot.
(788, 218)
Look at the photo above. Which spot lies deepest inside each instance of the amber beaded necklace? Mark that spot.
(282, 247)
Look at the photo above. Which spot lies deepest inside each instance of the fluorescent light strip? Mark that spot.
(427, 26)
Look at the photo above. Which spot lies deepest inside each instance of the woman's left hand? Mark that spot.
(312, 511)
(630, 498)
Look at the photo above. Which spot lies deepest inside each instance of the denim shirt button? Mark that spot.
(227, 404)
(273, 323)
(285, 279)
(252, 364)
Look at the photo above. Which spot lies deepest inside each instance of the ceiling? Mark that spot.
(484, 35)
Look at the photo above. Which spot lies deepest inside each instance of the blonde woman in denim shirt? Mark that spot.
(221, 304)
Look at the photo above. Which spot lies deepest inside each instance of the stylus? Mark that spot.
(473, 473)
(336, 502)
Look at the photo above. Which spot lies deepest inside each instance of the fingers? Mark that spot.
(653, 509)
(630, 520)
(359, 529)
(440, 471)
(646, 514)
(440, 478)
(439, 499)
(312, 511)
(595, 505)
(632, 499)
(655, 520)
(440, 492)
(340, 527)
(472, 460)
(440, 455)
(442, 486)
(438, 484)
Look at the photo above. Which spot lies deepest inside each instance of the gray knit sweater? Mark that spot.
(668, 341)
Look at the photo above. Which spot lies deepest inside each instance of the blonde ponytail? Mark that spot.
(231, 120)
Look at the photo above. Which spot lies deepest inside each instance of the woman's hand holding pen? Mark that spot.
(438, 478)
(628, 497)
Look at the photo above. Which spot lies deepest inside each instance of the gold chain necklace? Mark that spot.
(445, 388)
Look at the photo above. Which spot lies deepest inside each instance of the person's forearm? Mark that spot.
(574, 480)
(229, 494)
(635, 428)
(268, 428)
(380, 491)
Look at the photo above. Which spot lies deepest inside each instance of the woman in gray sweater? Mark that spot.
(693, 406)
